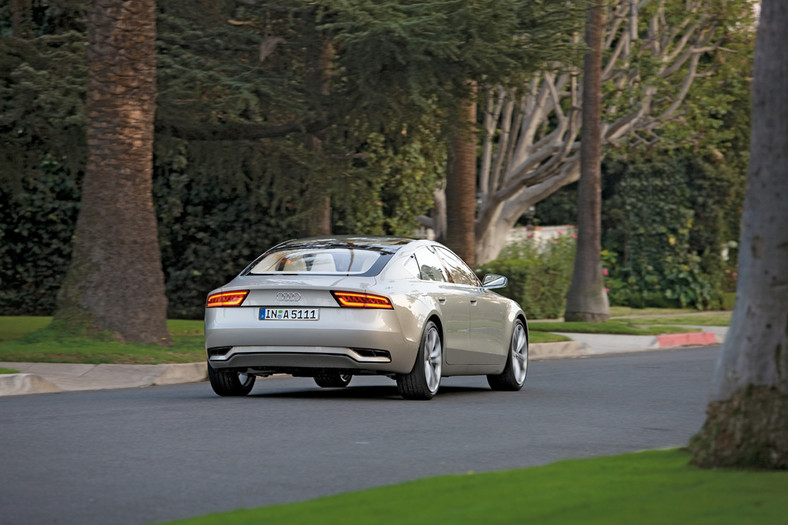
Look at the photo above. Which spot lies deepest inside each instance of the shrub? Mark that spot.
(665, 227)
(539, 274)
(36, 226)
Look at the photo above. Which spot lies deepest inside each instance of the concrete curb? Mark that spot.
(38, 378)
(183, 373)
(559, 350)
(20, 384)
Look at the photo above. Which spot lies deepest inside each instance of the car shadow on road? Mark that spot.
(360, 393)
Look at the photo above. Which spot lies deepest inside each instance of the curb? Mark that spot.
(183, 373)
(100, 377)
(558, 350)
(690, 339)
(20, 384)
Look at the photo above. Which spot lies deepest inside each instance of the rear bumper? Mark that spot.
(342, 339)
(285, 358)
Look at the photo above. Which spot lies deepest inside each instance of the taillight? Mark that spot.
(227, 298)
(362, 300)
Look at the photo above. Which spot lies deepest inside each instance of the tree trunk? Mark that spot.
(317, 81)
(461, 184)
(115, 280)
(747, 419)
(497, 217)
(586, 299)
(22, 18)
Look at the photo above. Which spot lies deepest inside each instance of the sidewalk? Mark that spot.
(37, 378)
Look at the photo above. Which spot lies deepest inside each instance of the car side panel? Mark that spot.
(491, 325)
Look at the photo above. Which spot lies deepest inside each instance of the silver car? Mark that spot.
(334, 307)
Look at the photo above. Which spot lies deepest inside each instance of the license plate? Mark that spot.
(289, 314)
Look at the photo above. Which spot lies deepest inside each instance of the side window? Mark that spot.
(430, 265)
(409, 269)
(458, 271)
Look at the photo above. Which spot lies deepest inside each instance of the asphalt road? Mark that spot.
(143, 455)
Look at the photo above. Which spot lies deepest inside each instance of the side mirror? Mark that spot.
(493, 281)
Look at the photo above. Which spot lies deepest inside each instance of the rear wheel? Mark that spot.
(332, 379)
(229, 382)
(513, 375)
(423, 381)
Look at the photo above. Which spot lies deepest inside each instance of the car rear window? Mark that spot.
(324, 261)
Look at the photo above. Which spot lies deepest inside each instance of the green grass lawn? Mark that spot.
(704, 319)
(614, 326)
(33, 339)
(535, 336)
(15, 326)
(643, 488)
(622, 311)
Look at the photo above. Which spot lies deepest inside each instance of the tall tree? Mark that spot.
(461, 181)
(586, 299)
(317, 85)
(115, 281)
(747, 418)
(654, 52)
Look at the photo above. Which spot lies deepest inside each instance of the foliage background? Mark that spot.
(539, 274)
(219, 203)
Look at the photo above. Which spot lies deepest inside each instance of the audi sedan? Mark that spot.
(334, 307)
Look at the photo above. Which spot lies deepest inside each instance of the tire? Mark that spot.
(332, 379)
(424, 380)
(229, 382)
(513, 375)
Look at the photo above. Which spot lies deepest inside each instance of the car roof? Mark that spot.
(377, 243)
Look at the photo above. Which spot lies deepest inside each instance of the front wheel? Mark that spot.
(423, 381)
(513, 375)
(228, 382)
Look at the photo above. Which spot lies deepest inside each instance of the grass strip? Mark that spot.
(622, 311)
(8, 371)
(15, 326)
(706, 319)
(614, 326)
(546, 337)
(653, 487)
(55, 343)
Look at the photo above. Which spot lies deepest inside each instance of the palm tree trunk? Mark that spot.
(587, 299)
(461, 183)
(115, 280)
(317, 81)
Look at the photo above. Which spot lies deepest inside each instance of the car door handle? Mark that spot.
(474, 301)
(441, 300)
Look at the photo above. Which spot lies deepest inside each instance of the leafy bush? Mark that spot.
(36, 225)
(666, 229)
(539, 274)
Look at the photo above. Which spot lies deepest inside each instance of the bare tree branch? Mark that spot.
(532, 140)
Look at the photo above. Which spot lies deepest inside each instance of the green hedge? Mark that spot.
(36, 225)
(539, 274)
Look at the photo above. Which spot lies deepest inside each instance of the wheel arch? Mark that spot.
(521, 317)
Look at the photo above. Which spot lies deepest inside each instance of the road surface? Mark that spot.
(143, 455)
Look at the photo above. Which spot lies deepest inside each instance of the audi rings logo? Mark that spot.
(288, 296)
